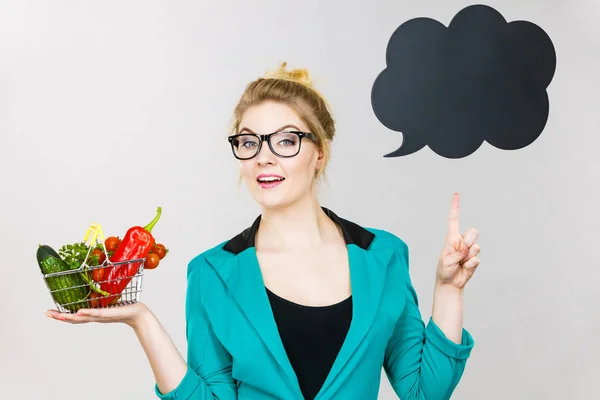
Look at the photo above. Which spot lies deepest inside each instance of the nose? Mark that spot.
(265, 155)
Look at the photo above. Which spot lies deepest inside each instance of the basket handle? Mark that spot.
(92, 234)
(95, 230)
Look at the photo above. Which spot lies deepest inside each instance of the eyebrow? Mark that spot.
(244, 129)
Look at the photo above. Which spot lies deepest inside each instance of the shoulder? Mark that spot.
(372, 239)
(385, 239)
(210, 252)
(201, 260)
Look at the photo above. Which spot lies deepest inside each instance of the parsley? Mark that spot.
(74, 254)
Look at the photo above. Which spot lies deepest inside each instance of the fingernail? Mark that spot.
(49, 315)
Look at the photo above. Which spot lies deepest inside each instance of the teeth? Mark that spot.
(270, 179)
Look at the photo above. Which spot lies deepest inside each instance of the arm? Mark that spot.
(448, 311)
(167, 365)
(421, 362)
(207, 373)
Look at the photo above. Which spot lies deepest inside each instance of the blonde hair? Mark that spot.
(293, 88)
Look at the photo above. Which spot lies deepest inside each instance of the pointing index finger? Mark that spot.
(453, 217)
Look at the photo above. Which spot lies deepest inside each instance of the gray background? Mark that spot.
(109, 109)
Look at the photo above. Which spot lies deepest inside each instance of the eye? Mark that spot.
(287, 139)
(287, 142)
(248, 144)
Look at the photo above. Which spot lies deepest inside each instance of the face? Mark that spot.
(295, 175)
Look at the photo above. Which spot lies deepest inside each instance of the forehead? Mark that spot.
(269, 117)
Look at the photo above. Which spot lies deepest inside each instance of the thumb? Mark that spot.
(456, 253)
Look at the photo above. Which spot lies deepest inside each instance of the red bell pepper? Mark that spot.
(136, 243)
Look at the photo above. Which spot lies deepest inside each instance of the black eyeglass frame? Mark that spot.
(267, 138)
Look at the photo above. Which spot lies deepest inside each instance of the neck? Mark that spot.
(297, 226)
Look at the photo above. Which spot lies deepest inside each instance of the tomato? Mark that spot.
(99, 254)
(160, 250)
(94, 302)
(111, 243)
(98, 274)
(152, 261)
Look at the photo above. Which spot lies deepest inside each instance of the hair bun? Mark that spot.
(299, 75)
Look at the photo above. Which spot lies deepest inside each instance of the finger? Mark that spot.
(90, 312)
(472, 263)
(55, 314)
(456, 245)
(106, 315)
(453, 217)
(470, 236)
(456, 254)
(72, 317)
(67, 317)
(473, 251)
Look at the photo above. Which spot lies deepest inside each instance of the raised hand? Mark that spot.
(130, 314)
(458, 260)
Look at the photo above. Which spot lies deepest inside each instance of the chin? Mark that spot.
(270, 201)
(279, 197)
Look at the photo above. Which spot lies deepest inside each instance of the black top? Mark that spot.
(312, 337)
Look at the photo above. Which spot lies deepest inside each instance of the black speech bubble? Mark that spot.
(451, 88)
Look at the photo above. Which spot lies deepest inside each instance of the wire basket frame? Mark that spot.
(71, 297)
(76, 289)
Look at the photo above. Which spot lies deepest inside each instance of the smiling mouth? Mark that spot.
(269, 180)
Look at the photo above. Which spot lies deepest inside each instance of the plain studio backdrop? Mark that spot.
(110, 109)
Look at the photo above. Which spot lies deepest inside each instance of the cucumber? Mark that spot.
(69, 290)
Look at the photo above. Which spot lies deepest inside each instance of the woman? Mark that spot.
(303, 303)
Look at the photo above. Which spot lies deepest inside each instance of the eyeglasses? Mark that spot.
(283, 144)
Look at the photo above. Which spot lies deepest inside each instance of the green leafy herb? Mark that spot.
(74, 254)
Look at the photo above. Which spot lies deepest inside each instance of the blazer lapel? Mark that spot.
(241, 274)
(367, 275)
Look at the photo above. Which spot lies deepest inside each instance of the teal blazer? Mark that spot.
(234, 348)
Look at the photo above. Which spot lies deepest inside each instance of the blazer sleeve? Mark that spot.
(209, 363)
(420, 361)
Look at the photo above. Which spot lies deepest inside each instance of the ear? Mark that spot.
(321, 155)
(320, 159)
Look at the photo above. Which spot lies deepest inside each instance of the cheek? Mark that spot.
(300, 168)
(247, 173)
(246, 169)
